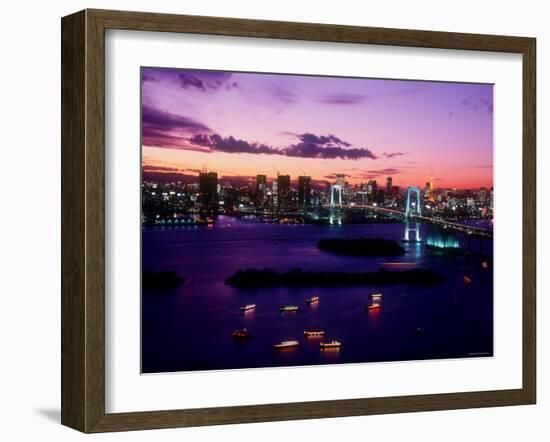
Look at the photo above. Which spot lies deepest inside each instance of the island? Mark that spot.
(361, 246)
(255, 278)
(161, 280)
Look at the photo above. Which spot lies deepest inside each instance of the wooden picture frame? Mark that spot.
(83, 220)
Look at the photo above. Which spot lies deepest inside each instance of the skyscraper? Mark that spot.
(304, 191)
(283, 190)
(482, 195)
(341, 179)
(429, 191)
(261, 188)
(208, 187)
(389, 185)
(372, 191)
(388, 191)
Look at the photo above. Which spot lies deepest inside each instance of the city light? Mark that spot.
(297, 200)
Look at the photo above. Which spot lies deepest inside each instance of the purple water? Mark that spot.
(189, 328)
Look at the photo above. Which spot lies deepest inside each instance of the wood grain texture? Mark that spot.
(73, 255)
(83, 220)
(529, 221)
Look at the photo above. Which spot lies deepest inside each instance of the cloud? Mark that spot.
(373, 173)
(347, 99)
(343, 99)
(167, 177)
(309, 146)
(312, 150)
(282, 93)
(328, 139)
(205, 81)
(160, 120)
(231, 144)
(153, 168)
(164, 129)
(394, 154)
(479, 104)
(145, 76)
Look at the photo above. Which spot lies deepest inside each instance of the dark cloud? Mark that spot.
(312, 150)
(153, 168)
(167, 130)
(343, 99)
(373, 173)
(394, 154)
(479, 104)
(231, 144)
(160, 120)
(310, 146)
(205, 80)
(147, 77)
(281, 93)
(347, 99)
(167, 177)
(322, 140)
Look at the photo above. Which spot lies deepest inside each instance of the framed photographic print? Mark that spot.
(268, 220)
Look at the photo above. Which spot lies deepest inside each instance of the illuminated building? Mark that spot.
(283, 190)
(261, 188)
(208, 187)
(482, 195)
(304, 190)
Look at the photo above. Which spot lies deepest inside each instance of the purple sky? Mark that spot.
(243, 124)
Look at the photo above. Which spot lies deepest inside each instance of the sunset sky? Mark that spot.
(243, 124)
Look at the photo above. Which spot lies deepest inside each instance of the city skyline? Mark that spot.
(243, 124)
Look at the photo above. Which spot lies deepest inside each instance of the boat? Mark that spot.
(287, 344)
(248, 307)
(376, 295)
(330, 344)
(289, 308)
(241, 333)
(312, 300)
(314, 333)
(373, 306)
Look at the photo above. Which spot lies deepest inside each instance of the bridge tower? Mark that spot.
(335, 188)
(412, 209)
(335, 203)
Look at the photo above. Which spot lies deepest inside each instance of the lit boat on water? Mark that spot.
(399, 264)
(330, 344)
(373, 306)
(314, 333)
(287, 344)
(241, 333)
(312, 300)
(248, 307)
(289, 308)
(376, 295)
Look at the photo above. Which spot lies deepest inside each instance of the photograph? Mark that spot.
(301, 220)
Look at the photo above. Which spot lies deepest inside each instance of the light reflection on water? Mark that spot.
(190, 327)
